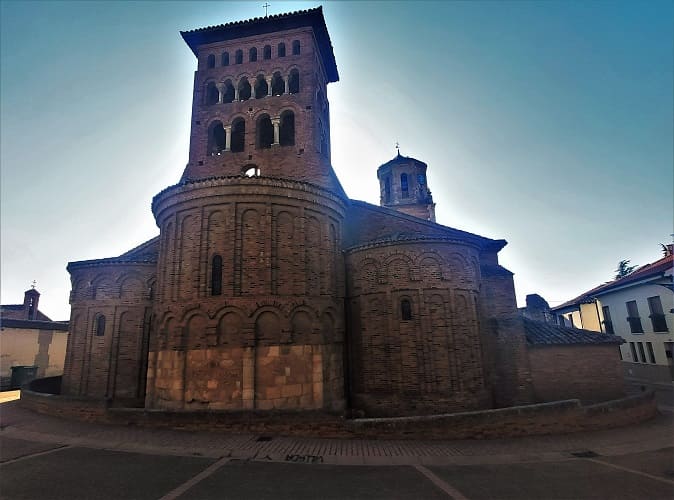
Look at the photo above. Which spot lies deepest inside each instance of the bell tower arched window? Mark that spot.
(265, 132)
(278, 86)
(404, 186)
(294, 81)
(238, 57)
(212, 94)
(216, 275)
(281, 49)
(216, 138)
(252, 54)
(244, 89)
(238, 135)
(266, 52)
(228, 94)
(210, 61)
(261, 87)
(387, 190)
(287, 129)
(224, 59)
(296, 48)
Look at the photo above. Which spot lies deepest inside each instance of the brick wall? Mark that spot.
(109, 363)
(586, 372)
(273, 335)
(425, 360)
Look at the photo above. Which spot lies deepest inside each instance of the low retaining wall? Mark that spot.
(558, 417)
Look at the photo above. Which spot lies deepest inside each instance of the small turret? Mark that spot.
(403, 187)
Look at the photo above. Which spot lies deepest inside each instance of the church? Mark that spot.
(269, 289)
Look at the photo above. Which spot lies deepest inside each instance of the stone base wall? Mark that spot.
(278, 377)
(647, 373)
(586, 372)
(548, 418)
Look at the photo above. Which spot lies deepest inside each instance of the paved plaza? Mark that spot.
(45, 457)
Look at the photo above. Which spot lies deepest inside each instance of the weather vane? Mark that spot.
(398, 147)
(33, 284)
(266, 6)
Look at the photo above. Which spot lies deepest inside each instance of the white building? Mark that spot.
(640, 309)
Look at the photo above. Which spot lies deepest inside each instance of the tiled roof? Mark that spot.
(16, 311)
(427, 230)
(401, 159)
(269, 24)
(539, 333)
(145, 253)
(652, 270)
(34, 324)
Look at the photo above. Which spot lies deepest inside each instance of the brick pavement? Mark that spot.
(18, 423)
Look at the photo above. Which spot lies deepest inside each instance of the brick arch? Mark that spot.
(231, 325)
(366, 274)
(104, 287)
(328, 325)
(430, 266)
(127, 290)
(195, 328)
(268, 325)
(457, 267)
(302, 324)
(398, 269)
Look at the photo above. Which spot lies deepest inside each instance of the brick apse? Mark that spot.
(268, 288)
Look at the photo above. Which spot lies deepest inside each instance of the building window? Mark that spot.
(287, 129)
(642, 354)
(251, 171)
(210, 61)
(634, 352)
(212, 94)
(296, 48)
(405, 310)
(267, 52)
(294, 82)
(100, 325)
(238, 57)
(651, 354)
(560, 320)
(244, 89)
(216, 138)
(657, 315)
(224, 59)
(252, 54)
(229, 94)
(281, 49)
(278, 86)
(608, 324)
(387, 190)
(238, 135)
(265, 132)
(633, 317)
(261, 87)
(216, 275)
(404, 186)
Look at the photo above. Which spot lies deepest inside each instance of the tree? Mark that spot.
(624, 269)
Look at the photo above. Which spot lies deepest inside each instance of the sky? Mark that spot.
(546, 123)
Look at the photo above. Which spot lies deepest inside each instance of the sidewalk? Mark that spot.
(17, 423)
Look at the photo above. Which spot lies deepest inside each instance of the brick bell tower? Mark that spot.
(260, 102)
(404, 187)
(249, 309)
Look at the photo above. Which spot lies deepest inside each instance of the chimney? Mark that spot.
(30, 301)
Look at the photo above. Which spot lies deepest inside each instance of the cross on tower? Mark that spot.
(398, 147)
(33, 284)
(266, 6)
